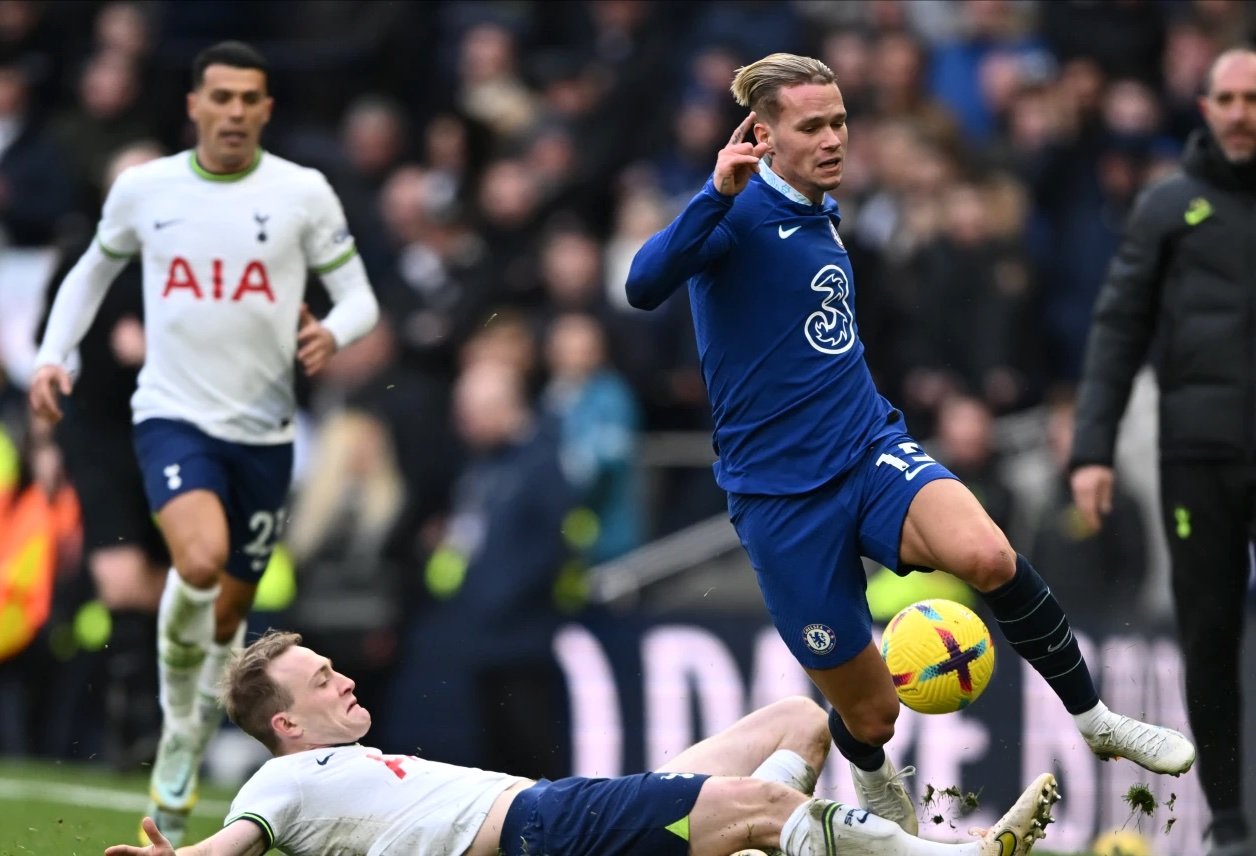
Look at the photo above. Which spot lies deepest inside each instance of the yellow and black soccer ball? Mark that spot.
(939, 654)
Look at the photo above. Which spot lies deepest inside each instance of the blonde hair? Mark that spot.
(357, 473)
(756, 85)
(249, 694)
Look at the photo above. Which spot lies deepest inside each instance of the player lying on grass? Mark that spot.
(746, 787)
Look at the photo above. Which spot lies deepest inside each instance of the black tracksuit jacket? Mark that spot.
(1182, 289)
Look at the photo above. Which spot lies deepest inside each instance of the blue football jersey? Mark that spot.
(773, 300)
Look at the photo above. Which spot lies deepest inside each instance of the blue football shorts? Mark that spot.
(251, 481)
(642, 815)
(806, 548)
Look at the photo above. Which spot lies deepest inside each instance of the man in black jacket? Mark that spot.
(1185, 274)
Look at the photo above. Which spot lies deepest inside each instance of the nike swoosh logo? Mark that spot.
(785, 233)
(322, 762)
(1061, 643)
(178, 792)
(911, 474)
(161, 224)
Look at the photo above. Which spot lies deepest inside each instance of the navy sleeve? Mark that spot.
(670, 257)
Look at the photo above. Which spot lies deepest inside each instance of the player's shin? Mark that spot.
(824, 828)
(185, 626)
(787, 767)
(1036, 627)
(208, 707)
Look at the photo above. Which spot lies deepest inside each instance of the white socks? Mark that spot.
(208, 707)
(826, 828)
(185, 632)
(787, 767)
(1088, 723)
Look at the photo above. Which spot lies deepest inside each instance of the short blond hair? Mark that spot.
(756, 85)
(249, 694)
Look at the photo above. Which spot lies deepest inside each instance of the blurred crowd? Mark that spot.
(500, 163)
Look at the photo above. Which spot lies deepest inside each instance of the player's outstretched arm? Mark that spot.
(242, 838)
(73, 310)
(692, 241)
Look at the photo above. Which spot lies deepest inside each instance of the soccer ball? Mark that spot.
(1121, 842)
(940, 655)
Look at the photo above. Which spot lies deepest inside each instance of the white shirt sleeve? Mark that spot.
(356, 310)
(77, 303)
(271, 799)
(116, 231)
(332, 254)
(327, 242)
(85, 286)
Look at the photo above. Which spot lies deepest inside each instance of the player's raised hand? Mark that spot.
(315, 343)
(738, 160)
(160, 845)
(49, 382)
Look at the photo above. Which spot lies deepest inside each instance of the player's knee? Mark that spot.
(989, 562)
(200, 563)
(755, 796)
(804, 727)
(873, 724)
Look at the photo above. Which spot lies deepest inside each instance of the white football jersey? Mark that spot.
(356, 801)
(225, 261)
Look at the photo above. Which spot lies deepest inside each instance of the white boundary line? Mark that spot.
(91, 796)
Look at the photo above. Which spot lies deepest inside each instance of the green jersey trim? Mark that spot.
(338, 261)
(113, 254)
(260, 822)
(201, 172)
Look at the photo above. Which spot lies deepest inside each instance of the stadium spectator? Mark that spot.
(499, 583)
(599, 421)
(36, 192)
(966, 445)
(106, 117)
(1182, 274)
(1089, 568)
(969, 275)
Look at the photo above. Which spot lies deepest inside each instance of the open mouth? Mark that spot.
(232, 136)
(831, 163)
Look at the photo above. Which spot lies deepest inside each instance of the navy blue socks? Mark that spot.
(1037, 629)
(865, 756)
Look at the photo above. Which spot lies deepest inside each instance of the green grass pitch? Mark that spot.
(75, 809)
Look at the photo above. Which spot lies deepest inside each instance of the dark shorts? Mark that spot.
(642, 815)
(100, 460)
(806, 549)
(251, 482)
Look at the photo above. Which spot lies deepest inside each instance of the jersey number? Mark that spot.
(265, 527)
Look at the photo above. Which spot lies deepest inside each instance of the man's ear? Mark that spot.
(284, 725)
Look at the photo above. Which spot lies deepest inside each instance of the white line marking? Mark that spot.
(92, 796)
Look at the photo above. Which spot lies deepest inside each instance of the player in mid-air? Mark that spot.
(227, 233)
(747, 787)
(818, 467)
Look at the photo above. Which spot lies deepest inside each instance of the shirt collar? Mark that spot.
(787, 190)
